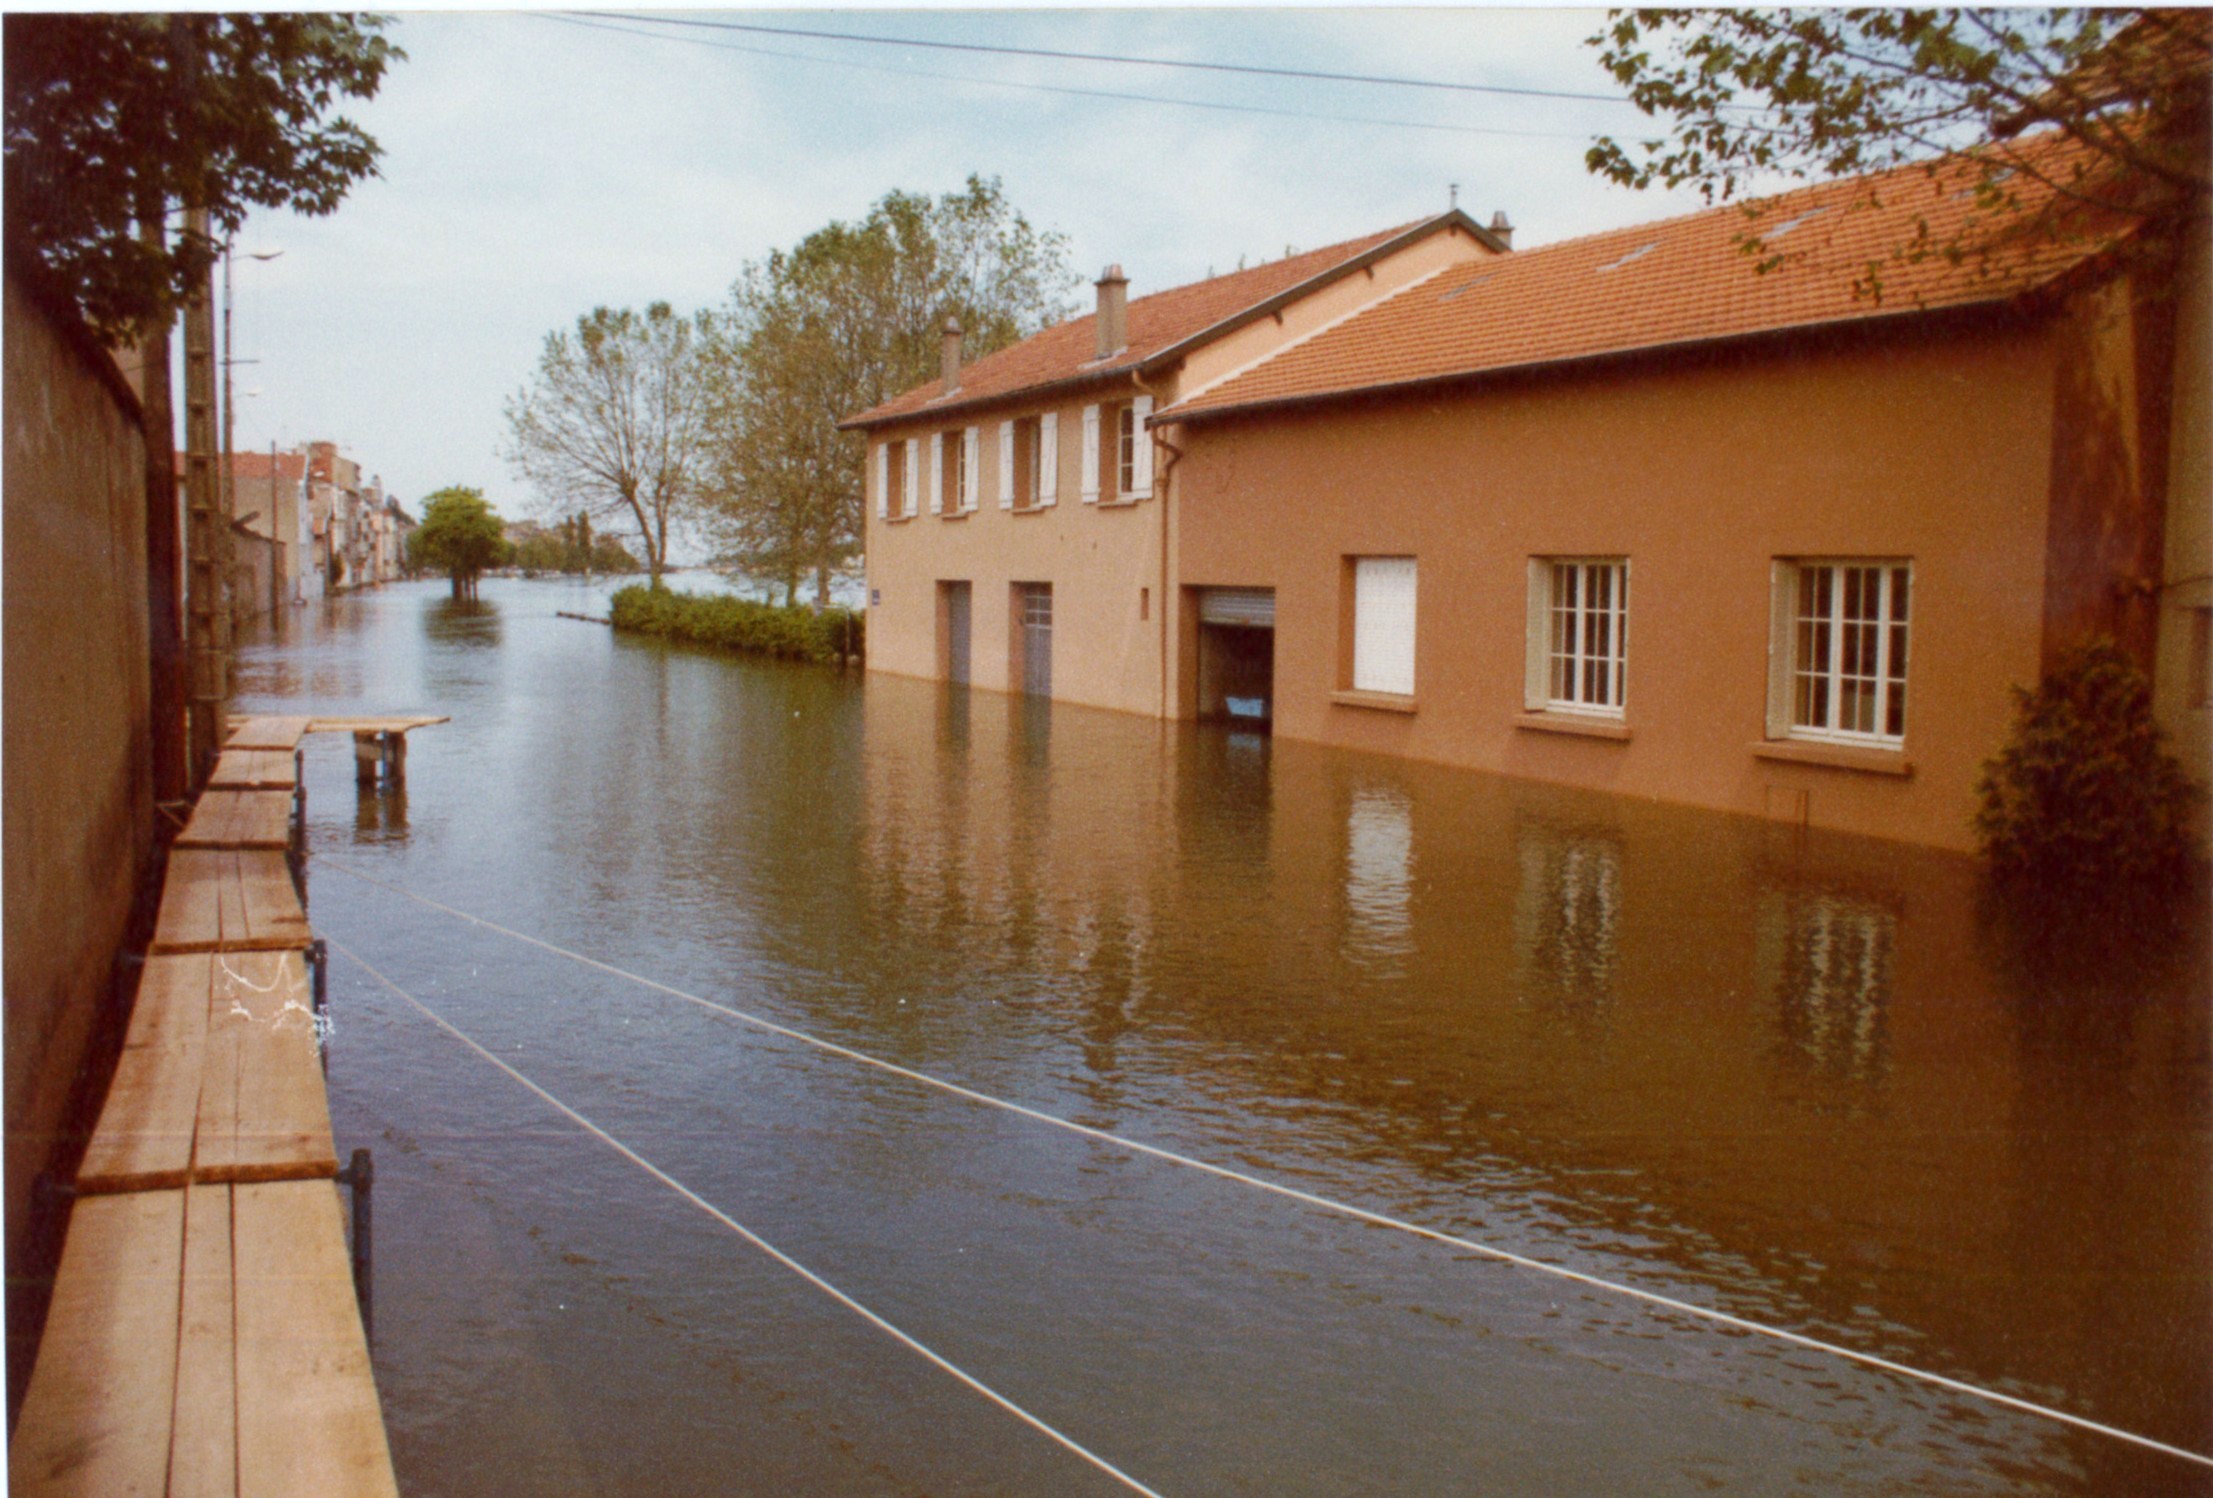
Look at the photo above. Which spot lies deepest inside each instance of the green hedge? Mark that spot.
(725, 623)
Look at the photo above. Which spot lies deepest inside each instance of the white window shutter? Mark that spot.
(1048, 458)
(1782, 613)
(1141, 482)
(911, 477)
(1006, 465)
(1090, 455)
(1383, 625)
(1536, 688)
(882, 470)
(937, 473)
(972, 447)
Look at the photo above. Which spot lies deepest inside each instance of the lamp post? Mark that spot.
(229, 486)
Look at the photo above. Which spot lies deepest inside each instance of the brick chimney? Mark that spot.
(952, 364)
(1501, 230)
(1113, 320)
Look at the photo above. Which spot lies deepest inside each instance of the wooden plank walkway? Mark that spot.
(204, 1340)
(254, 770)
(239, 819)
(203, 1336)
(229, 900)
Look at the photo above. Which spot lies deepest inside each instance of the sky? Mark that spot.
(538, 165)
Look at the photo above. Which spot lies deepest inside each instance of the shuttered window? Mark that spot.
(1048, 458)
(1006, 465)
(1090, 455)
(882, 475)
(971, 469)
(910, 476)
(1383, 625)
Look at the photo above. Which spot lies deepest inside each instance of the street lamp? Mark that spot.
(230, 417)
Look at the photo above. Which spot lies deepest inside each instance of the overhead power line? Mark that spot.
(1109, 57)
(616, 26)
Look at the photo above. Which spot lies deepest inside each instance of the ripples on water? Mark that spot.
(1822, 1082)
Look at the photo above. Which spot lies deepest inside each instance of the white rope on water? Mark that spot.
(1308, 1198)
(766, 1247)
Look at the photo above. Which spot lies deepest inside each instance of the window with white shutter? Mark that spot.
(1048, 458)
(937, 473)
(1006, 465)
(971, 469)
(1090, 455)
(881, 471)
(910, 479)
(1383, 625)
(1141, 469)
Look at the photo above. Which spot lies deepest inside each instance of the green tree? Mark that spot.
(112, 119)
(2086, 791)
(460, 535)
(845, 319)
(1748, 97)
(614, 418)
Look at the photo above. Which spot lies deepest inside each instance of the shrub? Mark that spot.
(740, 624)
(2085, 791)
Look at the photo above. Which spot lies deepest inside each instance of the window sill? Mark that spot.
(1030, 510)
(1382, 702)
(956, 514)
(1835, 756)
(897, 519)
(1123, 502)
(1590, 727)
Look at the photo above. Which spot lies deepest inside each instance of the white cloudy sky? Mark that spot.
(535, 168)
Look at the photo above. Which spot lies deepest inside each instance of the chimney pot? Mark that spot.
(952, 364)
(1502, 230)
(1113, 318)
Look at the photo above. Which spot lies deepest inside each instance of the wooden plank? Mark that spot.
(269, 905)
(239, 819)
(191, 916)
(268, 733)
(264, 1115)
(308, 1420)
(144, 1137)
(203, 1441)
(386, 724)
(254, 770)
(96, 1418)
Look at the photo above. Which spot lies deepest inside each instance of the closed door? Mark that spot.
(956, 631)
(1036, 604)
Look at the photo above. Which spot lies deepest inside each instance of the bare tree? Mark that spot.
(612, 422)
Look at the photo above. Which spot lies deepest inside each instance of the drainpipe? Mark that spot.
(1160, 497)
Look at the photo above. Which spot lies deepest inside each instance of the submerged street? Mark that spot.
(1823, 1084)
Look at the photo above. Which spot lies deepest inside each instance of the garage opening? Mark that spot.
(1237, 656)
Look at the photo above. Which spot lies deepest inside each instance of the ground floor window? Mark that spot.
(1579, 634)
(1383, 625)
(1846, 628)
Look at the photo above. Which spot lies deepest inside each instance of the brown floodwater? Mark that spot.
(1829, 1085)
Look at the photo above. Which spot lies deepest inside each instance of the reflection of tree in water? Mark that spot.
(1831, 956)
(463, 622)
(2082, 966)
(1568, 914)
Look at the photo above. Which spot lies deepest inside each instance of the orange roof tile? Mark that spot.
(1069, 351)
(1684, 280)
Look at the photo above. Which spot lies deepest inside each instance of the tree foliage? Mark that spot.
(572, 547)
(850, 316)
(1752, 97)
(113, 119)
(460, 535)
(614, 420)
(2086, 791)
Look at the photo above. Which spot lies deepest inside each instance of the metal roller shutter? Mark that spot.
(1252, 608)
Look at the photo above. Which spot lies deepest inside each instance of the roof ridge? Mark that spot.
(1376, 237)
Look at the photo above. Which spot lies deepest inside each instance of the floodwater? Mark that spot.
(1822, 1084)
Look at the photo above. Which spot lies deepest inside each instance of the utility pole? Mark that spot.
(230, 433)
(207, 527)
(169, 666)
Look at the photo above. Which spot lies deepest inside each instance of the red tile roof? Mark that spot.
(1686, 280)
(1069, 351)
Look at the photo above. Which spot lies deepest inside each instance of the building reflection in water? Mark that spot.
(1567, 914)
(1828, 957)
(1379, 875)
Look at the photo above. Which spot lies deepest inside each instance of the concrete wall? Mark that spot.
(1934, 447)
(78, 790)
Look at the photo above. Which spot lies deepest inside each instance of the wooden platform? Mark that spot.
(204, 1340)
(239, 819)
(372, 725)
(229, 900)
(254, 770)
(220, 1079)
(267, 733)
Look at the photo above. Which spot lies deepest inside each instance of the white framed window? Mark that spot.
(1837, 665)
(971, 469)
(1383, 625)
(910, 477)
(1578, 635)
